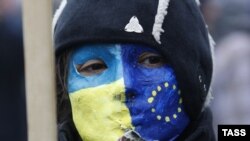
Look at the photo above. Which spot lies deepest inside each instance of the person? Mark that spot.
(132, 71)
(231, 85)
(211, 10)
(12, 101)
(233, 17)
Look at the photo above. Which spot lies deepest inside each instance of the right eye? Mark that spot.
(151, 60)
(91, 67)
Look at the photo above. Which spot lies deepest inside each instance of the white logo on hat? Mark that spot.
(134, 25)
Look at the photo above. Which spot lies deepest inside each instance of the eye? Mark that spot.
(151, 60)
(91, 67)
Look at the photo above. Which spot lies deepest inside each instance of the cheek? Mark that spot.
(151, 90)
(99, 113)
(154, 101)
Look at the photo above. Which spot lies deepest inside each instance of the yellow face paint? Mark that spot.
(100, 113)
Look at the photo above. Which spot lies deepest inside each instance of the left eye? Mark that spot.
(151, 60)
(91, 67)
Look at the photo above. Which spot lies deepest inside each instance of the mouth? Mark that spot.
(131, 135)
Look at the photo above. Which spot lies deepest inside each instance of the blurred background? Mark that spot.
(12, 95)
(228, 21)
(229, 24)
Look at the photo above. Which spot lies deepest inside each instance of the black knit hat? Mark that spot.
(174, 27)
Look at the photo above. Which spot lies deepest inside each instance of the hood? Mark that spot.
(174, 27)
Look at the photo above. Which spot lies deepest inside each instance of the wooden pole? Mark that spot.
(39, 70)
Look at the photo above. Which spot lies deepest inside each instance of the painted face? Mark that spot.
(118, 88)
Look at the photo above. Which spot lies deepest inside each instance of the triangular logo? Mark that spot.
(134, 25)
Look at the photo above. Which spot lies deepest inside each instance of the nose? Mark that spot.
(131, 94)
(120, 97)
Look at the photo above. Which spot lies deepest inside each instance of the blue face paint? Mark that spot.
(110, 54)
(152, 95)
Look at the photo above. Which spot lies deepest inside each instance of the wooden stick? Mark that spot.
(39, 70)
